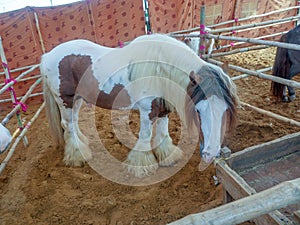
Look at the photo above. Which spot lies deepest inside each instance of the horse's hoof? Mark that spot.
(141, 163)
(292, 97)
(285, 99)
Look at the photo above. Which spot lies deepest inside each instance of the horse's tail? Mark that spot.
(281, 69)
(52, 112)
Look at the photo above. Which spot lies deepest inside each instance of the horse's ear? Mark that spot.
(194, 78)
(187, 40)
(225, 67)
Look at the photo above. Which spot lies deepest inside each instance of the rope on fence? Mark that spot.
(268, 77)
(11, 89)
(255, 41)
(23, 100)
(234, 21)
(9, 84)
(258, 74)
(254, 16)
(261, 37)
(204, 56)
(19, 69)
(235, 28)
(247, 75)
(271, 114)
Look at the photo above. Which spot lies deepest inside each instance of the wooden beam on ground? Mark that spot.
(245, 209)
(271, 114)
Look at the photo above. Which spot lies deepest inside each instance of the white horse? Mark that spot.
(193, 42)
(150, 74)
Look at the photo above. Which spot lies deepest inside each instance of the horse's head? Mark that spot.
(211, 105)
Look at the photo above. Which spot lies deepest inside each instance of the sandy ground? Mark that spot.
(37, 188)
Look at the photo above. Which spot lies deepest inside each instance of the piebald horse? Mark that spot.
(150, 74)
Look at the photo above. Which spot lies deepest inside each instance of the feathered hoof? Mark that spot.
(77, 154)
(84, 139)
(285, 99)
(74, 162)
(167, 153)
(292, 97)
(289, 98)
(141, 163)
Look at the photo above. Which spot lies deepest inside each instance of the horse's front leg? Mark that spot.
(140, 161)
(166, 152)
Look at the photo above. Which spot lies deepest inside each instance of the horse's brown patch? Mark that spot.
(77, 80)
(71, 69)
(159, 108)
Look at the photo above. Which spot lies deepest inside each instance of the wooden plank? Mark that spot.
(248, 208)
(297, 216)
(265, 152)
(236, 187)
(234, 184)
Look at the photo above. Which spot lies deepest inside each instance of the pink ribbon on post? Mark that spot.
(23, 106)
(202, 29)
(8, 81)
(121, 45)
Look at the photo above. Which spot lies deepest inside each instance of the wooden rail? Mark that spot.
(248, 208)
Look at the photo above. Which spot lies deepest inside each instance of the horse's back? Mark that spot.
(293, 37)
(50, 61)
(160, 39)
(76, 47)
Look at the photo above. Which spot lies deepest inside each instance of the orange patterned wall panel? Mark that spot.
(64, 23)
(167, 16)
(20, 40)
(117, 20)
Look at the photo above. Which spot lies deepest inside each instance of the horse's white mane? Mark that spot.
(169, 65)
(165, 53)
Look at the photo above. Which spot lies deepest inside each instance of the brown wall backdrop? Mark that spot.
(107, 22)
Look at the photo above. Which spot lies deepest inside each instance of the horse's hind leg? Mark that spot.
(292, 93)
(76, 150)
(166, 152)
(77, 106)
(141, 161)
(284, 95)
